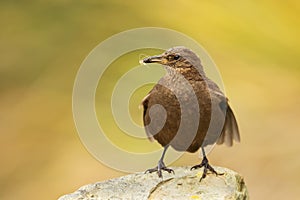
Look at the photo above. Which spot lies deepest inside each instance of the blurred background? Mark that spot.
(256, 46)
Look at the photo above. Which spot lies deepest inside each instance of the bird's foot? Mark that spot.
(160, 167)
(207, 167)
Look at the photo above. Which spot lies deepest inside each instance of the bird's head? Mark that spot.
(179, 58)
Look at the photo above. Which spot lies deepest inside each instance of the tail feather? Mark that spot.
(230, 130)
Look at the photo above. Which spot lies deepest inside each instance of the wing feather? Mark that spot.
(146, 121)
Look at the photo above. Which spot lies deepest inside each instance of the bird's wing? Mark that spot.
(155, 114)
(145, 102)
(230, 131)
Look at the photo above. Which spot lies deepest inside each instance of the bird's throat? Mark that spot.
(189, 73)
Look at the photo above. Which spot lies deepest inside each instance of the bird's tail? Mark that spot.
(230, 130)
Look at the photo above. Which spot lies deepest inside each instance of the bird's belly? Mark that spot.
(184, 130)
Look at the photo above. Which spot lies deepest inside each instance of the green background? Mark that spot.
(255, 44)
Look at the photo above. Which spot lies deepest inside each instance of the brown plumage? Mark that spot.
(185, 109)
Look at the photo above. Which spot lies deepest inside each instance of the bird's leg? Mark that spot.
(161, 165)
(206, 165)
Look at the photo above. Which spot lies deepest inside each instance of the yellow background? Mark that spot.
(255, 44)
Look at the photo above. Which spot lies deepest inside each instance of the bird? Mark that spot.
(186, 110)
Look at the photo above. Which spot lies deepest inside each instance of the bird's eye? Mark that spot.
(176, 57)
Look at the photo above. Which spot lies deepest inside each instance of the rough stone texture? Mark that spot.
(183, 185)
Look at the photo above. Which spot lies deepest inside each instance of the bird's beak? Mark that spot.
(155, 59)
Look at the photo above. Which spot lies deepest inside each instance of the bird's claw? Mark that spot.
(161, 167)
(207, 167)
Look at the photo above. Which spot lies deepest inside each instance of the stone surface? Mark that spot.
(183, 185)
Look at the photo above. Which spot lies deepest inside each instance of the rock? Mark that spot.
(183, 185)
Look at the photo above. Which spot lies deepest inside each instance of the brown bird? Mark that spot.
(186, 110)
